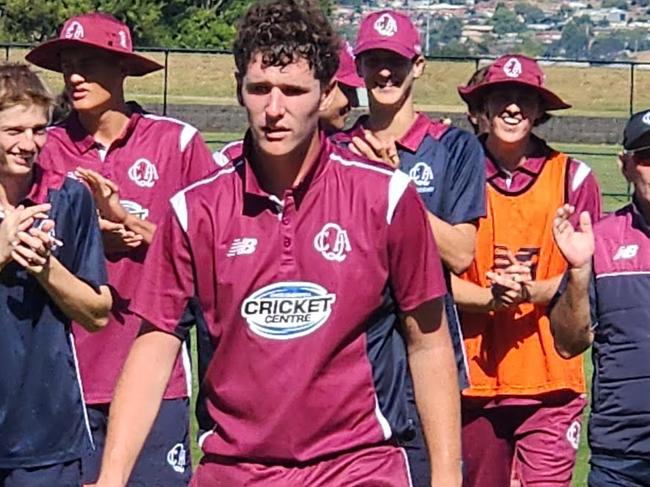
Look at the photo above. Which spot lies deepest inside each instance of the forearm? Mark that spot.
(136, 403)
(571, 315)
(471, 297)
(438, 403)
(141, 227)
(541, 292)
(77, 299)
(455, 243)
(435, 383)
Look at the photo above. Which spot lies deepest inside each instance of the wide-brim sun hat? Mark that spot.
(513, 69)
(97, 30)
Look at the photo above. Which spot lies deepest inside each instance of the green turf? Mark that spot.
(602, 159)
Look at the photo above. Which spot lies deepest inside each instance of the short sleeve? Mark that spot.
(198, 162)
(583, 191)
(465, 180)
(414, 263)
(564, 283)
(167, 283)
(89, 262)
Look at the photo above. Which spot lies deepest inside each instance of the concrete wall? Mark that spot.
(232, 118)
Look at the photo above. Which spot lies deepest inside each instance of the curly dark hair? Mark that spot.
(283, 31)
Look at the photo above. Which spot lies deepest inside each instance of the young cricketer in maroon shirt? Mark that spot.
(133, 162)
(292, 250)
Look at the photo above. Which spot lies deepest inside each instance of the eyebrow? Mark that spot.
(22, 127)
(281, 86)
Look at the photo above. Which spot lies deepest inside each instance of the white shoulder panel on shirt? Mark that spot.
(179, 203)
(188, 131)
(581, 174)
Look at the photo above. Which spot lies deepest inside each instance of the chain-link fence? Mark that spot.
(599, 89)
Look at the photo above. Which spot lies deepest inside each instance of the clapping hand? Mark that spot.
(577, 246)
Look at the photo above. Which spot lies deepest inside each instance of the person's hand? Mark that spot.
(374, 149)
(506, 291)
(117, 239)
(517, 271)
(34, 248)
(106, 195)
(16, 221)
(577, 246)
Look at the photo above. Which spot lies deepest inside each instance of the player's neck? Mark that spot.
(107, 123)
(506, 155)
(391, 121)
(643, 205)
(276, 174)
(14, 189)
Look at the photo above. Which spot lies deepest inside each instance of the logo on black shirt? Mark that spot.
(422, 175)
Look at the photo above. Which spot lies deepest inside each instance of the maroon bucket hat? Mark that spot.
(97, 30)
(513, 69)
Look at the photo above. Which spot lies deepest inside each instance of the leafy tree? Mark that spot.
(606, 48)
(31, 21)
(505, 20)
(451, 31)
(202, 27)
(575, 40)
(531, 13)
(532, 47)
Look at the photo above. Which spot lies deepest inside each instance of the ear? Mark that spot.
(239, 80)
(327, 96)
(418, 66)
(358, 65)
(623, 161)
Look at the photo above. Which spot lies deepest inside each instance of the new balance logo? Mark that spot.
(242, 246)
(626, 252)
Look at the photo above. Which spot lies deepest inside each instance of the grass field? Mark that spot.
(602, 159)
(208, 79)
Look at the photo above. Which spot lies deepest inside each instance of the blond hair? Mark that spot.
(19, 85)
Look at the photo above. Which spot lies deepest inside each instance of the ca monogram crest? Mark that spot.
(512, 68)
(75, 31)
(333, 242)
(386, 25)
(143, 173)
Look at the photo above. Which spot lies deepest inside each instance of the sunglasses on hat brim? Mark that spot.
(640, 155)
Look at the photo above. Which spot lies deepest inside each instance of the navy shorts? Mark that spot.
(165, 459)
(618, 471)
(416, 450)
(66, 474)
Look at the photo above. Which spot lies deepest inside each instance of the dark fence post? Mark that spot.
(632, 66)
(166, 76)
(6, 53)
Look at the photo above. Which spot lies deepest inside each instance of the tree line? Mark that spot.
(172, 23)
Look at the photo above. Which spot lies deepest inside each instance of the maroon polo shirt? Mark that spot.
(290, 289)
(153, 159)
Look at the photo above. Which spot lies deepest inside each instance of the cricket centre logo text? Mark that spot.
(287, 310)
